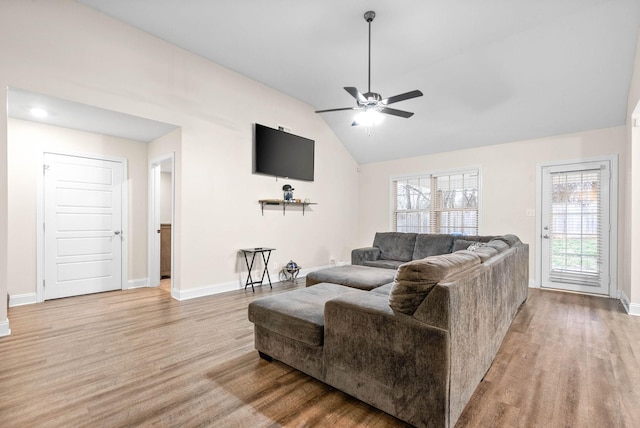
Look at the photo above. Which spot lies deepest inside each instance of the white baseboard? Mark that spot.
(4, 328)
(22, 299)
(136, 283)
(631, 308)
(31, 298)
(212, 289)
(209, 290)
(533, 283)
(223, 287)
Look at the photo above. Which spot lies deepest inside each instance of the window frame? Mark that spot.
(431, 174)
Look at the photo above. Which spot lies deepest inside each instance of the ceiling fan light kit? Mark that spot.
(368, 118)
(371, 104)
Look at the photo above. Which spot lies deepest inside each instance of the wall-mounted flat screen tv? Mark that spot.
(282, 154)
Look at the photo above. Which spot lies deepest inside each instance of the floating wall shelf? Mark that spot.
(284, 204)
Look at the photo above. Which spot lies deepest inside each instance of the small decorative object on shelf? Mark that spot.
(288, 192)
(290, 271)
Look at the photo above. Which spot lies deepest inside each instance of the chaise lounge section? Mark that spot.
(415, 348)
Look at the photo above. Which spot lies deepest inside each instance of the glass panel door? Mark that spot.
(575, 223)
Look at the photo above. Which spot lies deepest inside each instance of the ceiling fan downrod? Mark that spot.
(368, 16)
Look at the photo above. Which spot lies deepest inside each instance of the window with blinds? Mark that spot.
(576, 227)
(437, 203)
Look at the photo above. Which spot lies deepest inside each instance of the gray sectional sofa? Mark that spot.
(416, 347)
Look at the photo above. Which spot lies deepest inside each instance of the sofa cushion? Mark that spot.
(360, 255)
(478, 238)
(432, 244)
(385, 289)
(297, 314)
(355, 276)
(384, 264)
(395, 245)
(484, 252)
(498, 244)
(462, 244)
(509, 239)
(414, 280)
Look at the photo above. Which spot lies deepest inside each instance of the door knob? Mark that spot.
(116, 232)
(545, 236)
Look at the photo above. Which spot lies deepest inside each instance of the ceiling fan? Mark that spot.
(371, 103)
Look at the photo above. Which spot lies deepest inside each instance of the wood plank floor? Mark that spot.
(140, 358)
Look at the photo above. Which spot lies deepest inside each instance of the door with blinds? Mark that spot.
(576, 227)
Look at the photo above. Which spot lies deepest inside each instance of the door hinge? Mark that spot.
(43, 283)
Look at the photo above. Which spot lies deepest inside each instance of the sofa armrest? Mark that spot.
(361, 255)
(389, 360)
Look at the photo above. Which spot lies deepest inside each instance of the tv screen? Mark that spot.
(282, 154)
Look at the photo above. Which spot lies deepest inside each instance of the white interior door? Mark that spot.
(575, 242)
(83, 225)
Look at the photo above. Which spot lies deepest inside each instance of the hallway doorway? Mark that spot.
(161, 209)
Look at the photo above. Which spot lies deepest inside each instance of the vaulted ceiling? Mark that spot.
(491, 71)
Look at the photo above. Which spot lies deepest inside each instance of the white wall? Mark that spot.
(26, 140)
(66, 50)
(508, 180)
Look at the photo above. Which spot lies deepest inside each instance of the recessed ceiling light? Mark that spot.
(38, 112)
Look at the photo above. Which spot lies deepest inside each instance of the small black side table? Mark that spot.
(266, 254)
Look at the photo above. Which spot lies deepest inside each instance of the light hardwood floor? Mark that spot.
(140, 358)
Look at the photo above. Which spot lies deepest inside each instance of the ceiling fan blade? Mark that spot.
(402, 97)
(395, 112)
(356, 94)
(337, 109)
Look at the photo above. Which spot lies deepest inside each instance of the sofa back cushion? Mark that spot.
(509, 239)
(462, 244)
(414, 280)
(395, 245)
(478, 238)
(485, 253)
(498, 244)
(432, 244)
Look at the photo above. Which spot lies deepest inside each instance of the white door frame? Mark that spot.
(154, 219)
(40, 216)
(613, 217)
